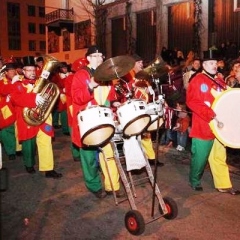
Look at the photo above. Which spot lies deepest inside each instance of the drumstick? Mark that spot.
(219, 124)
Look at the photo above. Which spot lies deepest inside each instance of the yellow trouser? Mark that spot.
(45, 151)
(112, 167)
(147, 146)
(218, 165)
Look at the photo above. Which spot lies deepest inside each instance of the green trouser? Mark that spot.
(90, 170)
(200, 152)
(29, 152)
(74, 148)
(55, 117)
(64, 121)
(8, 138)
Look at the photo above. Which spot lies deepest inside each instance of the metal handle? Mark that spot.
(219, 124)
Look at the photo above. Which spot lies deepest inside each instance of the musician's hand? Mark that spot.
(39, 99)
(92, 83)
(116, 104)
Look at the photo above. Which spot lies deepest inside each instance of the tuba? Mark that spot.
(49, 91)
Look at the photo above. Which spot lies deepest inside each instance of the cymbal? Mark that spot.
(113, 68)
(157, 68)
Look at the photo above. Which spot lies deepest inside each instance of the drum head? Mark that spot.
(98, 136)
(226, 107)
(136, 126)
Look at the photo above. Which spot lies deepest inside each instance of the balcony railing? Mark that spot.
(59, 14)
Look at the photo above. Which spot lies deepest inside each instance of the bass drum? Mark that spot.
(96, 125)
(226, 107)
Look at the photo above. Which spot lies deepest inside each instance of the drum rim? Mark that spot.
(94, 106)
(131, 101)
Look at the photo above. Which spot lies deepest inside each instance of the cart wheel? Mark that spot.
(134, 222)
(172, 208)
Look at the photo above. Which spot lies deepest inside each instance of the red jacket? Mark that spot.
(7, 112)
(22, 96)
(61, 103)
(68, 86)
(82, 97)
(199, 99)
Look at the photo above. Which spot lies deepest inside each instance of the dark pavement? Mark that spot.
(34, 207)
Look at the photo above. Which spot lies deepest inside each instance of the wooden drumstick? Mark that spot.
(219, 124)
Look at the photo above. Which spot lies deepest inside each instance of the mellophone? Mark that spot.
(97, 125)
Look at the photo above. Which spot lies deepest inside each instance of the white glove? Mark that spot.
(39, 99)
(8, 98)
(116, 104)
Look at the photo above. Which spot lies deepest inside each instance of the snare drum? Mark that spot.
(96, 125)
(155, 111)
(132, 117)
(226, 107)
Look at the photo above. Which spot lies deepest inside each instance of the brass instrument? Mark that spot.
(49, 91)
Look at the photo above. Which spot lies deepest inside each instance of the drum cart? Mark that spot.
(134, 221)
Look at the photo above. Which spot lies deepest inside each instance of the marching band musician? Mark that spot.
(39, 66)
(61, 107)
(141, 90)
(78, 64)
(7, 112)
(85, 92)
(30, 136)
(201, 93)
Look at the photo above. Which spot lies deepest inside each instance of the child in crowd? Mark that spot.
(181, 127)
(167, 137)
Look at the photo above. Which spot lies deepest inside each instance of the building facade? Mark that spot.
(22, 28)
(66, 28)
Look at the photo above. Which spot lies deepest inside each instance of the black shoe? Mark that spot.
(66, 133)
(12, 157)
(19, 153)
(57, 126)
(197, 188)
(100, 194)
(53, 174)
(152, 163)
(118, 193)
(229, 190)
(30, 170)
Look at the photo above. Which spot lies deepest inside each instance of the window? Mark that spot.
(42, 46)
(13, 10)
(14, 43)
(31, 28)
(31, 11)
(41, 12)
(42, 28)
(13, 25)
(13, 28)
(32, 45)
